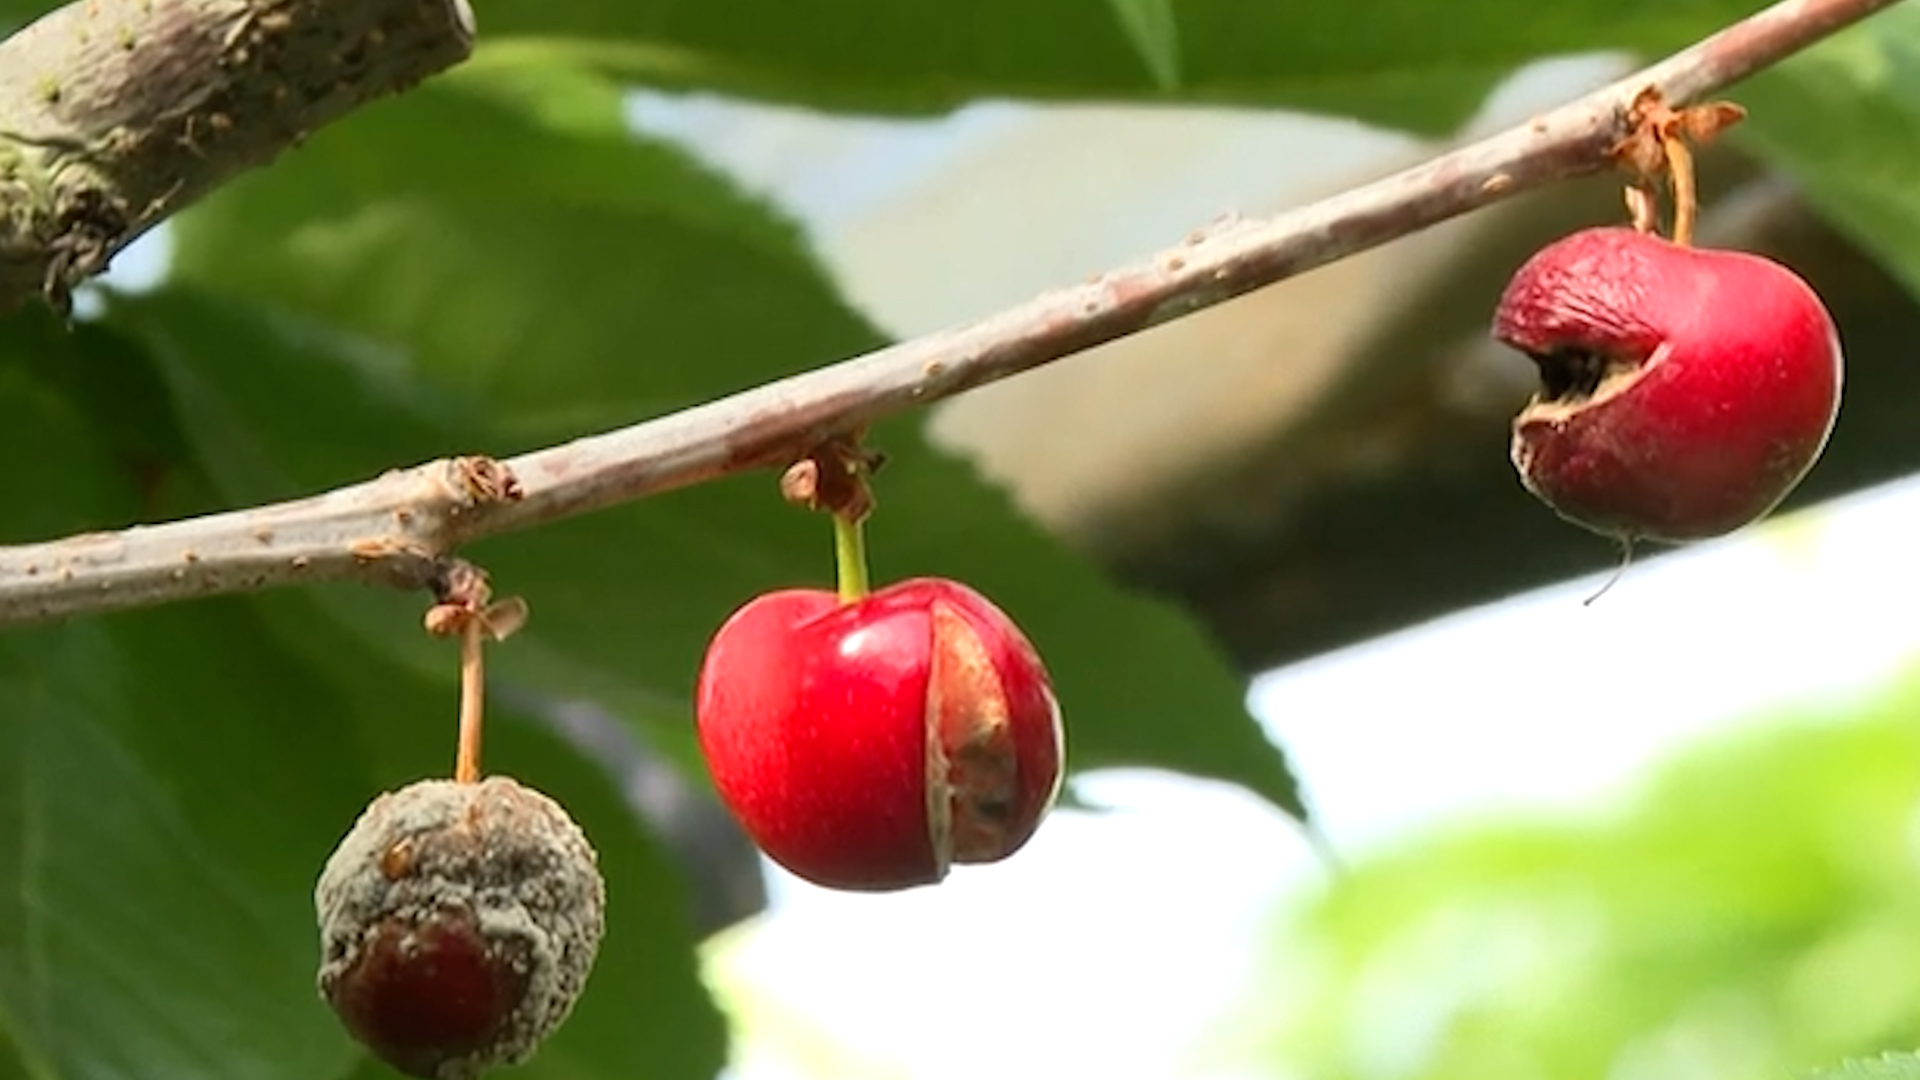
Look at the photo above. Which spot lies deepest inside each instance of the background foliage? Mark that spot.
(494, 262)
(1750, 910)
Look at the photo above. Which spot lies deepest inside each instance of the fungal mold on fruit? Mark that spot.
(458, 925)
(874, 744)
(1684, 392)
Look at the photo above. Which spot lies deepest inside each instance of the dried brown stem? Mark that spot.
(473, 701)
(393, 529)
(1686, 199)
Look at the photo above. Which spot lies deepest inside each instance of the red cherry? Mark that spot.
(1684, 392)
(870, 745)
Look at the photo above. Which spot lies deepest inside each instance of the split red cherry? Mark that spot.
(872, 744)
(1684, 392)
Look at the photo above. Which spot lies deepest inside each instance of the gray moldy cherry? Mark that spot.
(458, 925)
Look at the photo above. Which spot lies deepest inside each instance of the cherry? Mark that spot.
(1684, 392)
(458, 924)
(870, 744)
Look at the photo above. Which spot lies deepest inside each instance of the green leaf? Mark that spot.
(174, 784)
(1154, 30)
(624, 287)
(84, 400)
(1748, 910)
(1402, 63)
(13, 1066)
(1885, 1067)
(601, 255)
(1842, 119)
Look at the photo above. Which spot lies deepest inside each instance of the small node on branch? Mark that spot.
(463, 595)
(833, 478)
(480, 480)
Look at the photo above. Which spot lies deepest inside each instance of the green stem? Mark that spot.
(850, 556)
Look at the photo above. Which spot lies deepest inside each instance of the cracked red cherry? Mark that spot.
(1684, 392)
(872, 744)
(458, 924)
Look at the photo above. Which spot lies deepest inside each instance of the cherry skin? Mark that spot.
(871, 745)
(1684, 392)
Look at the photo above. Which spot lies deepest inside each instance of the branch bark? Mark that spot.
(397, 529)
(116, 113)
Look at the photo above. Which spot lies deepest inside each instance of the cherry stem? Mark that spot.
(850, 556)
(473, 690)
(1680, 170)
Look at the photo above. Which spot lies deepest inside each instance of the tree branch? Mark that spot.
(395, 530)
(116, 113)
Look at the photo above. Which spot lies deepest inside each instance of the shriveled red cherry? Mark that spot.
(1684, 392)
(871, 745)
(458, 925)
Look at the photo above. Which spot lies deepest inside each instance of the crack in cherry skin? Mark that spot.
(870, 745)
(1685, 391)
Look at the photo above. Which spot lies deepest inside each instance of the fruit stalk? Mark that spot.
(850, 557)
(473, 694)
(1686, 200)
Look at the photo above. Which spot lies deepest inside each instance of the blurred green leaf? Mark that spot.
(623, 600)
(1406, 64)
(80, 399)
(1842, 119)
(1154, 29)
(1401, 63)
(505, 236)
(1885, 1067)
(12, 1065)
(175, 783)
(173, 779)
(1750, 911)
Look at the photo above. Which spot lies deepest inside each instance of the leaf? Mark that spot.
(1842, 119)
(1749, 908)
(1402, 63)
(623, 600)
(12, 1065)
(80, 399)
(1154, 30)
(602, 254)
(174, 784)
(1884, 1067)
